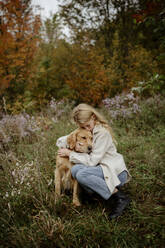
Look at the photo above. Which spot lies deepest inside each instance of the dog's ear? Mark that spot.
(71, 140)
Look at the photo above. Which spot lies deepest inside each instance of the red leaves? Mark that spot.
(152, 8)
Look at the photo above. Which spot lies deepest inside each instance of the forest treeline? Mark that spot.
(114, 45)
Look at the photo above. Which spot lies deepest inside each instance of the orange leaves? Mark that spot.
(18, 42)
(6, 81)
(88, 77)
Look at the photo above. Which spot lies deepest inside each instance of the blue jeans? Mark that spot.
(91, 178)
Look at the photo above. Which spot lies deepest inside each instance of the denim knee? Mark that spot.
(75, 169)
(81, 176)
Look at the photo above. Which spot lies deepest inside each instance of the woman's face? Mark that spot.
(89, 125)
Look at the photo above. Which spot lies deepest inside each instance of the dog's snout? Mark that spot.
(89, 148)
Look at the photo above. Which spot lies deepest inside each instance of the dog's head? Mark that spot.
(80, 140)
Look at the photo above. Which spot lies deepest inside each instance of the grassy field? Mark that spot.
(28, 216)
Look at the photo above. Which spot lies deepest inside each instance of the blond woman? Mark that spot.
(103, 171)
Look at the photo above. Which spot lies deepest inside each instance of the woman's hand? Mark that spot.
(64, 152)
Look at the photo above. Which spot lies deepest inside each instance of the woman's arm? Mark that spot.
(101, 145)
(62, 142)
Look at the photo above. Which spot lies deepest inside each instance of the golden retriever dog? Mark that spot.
(79, 140)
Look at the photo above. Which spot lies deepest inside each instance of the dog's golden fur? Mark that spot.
(79, 140)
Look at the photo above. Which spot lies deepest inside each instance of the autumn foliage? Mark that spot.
(88, 77)
(108, 52)
(19, 30)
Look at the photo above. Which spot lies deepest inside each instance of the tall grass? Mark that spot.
(28, 215)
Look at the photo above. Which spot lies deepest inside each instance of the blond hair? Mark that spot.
(83, 113)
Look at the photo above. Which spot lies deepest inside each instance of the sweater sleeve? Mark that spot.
(99, 149)
(62, 142)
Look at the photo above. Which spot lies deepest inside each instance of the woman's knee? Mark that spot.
(75, 169)
(81, 176)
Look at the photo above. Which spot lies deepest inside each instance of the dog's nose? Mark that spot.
(89, 148)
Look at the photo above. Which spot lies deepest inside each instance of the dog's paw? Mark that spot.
(76, 203)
